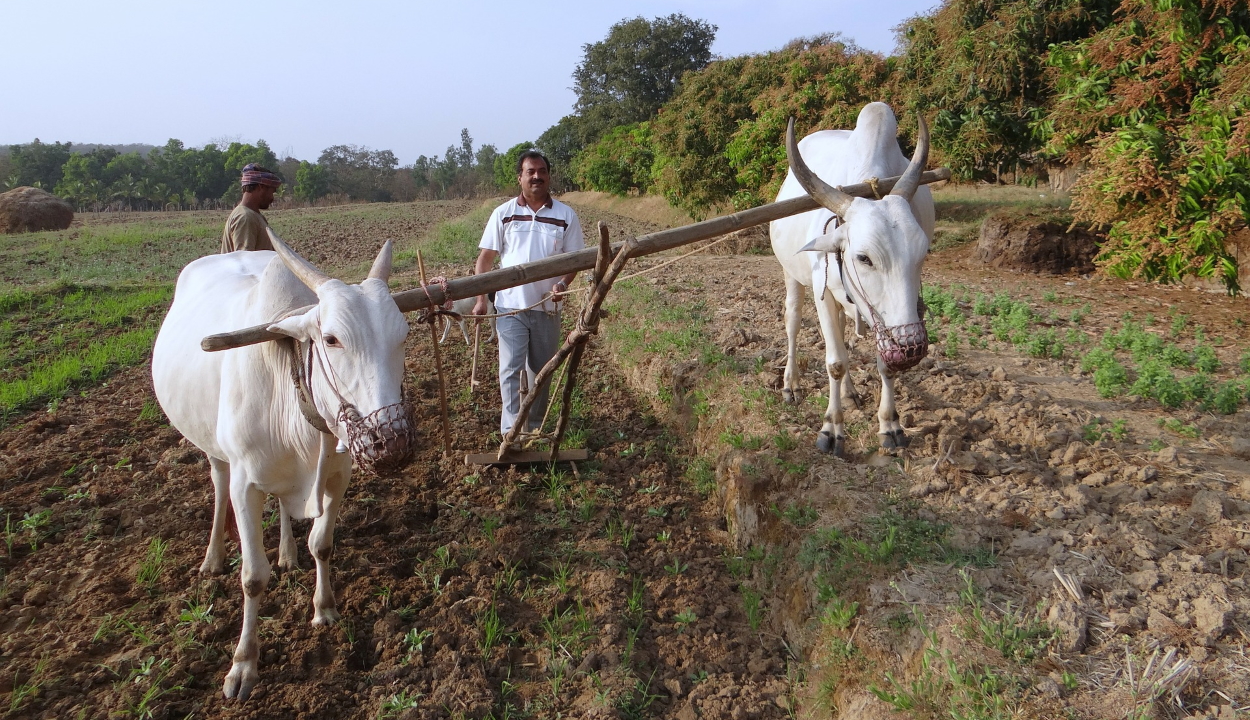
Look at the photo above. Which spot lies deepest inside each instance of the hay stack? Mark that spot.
(28, 209)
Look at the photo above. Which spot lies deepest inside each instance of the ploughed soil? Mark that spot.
(617, 588)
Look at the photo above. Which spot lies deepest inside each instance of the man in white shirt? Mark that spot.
(530, 227)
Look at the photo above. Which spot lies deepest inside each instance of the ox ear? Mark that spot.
(296, 326)
(831, 242)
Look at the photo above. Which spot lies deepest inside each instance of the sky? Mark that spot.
(403, 76)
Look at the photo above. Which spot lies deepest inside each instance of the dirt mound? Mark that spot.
(28, 209)
(1032, 243)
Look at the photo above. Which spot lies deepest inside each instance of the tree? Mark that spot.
(561, 142)
(1158, 106)
(358, 172)
(628, 75)
(981, 65)
(620, 162)
(505, 166)
(39, 164)
(311, 182)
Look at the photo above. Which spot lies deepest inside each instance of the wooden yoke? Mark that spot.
(474, 285)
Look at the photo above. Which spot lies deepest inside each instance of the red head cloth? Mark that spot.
(253, 174)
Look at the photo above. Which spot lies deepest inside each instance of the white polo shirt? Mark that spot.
(521, 235)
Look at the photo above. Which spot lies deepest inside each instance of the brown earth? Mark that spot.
(1035, 244)
(1155, 540)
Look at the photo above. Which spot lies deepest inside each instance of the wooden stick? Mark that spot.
(575, 360)
(575, 338)
(411, 300)
(477, 341)
(442, 380)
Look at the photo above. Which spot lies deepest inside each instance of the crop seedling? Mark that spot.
(444, 557)
(561, 573)
(22, 691)
(414, 642)
(1180, 428)
(633, 603)
(196, 613)
(34, 525)
(664, 536)
(490, 524)
(492, 628)
(676, 567)
(153, 564)
(685, 619)
(396, 704)
(156, 674)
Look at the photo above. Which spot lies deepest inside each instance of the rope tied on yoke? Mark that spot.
(428, 315)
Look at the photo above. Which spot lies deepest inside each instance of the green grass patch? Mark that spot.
(62, 337)
(453, 242)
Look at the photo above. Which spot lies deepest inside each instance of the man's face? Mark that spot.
(266, 196)
(534, 177)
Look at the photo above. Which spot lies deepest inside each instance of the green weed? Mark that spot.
(751, 604)
(684, 619)
(395, 705)
(838, 613)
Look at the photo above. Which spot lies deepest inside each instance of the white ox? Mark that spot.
(241, 406)
(868, 264)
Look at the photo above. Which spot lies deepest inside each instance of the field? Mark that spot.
(1066, 536)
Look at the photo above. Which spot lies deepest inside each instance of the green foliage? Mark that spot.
(1164, 140)
(311, 181)
(628, 75)
(504, 171)
(981, 66)
(720, 137)
(359, 172)
(38, 164)
(618, 162)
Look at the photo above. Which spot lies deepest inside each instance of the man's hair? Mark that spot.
(532, 153)
(250, 188)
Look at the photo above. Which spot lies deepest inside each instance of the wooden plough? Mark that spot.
(607, 260)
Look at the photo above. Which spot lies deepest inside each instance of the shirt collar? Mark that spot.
(520, 200)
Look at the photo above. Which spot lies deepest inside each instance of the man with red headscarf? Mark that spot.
(245, 229)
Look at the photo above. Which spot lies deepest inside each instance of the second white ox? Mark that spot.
(864, 258)
(275, 418)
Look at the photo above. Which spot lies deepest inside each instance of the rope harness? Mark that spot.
(379, 442)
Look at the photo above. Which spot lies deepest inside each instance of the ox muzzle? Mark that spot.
(901, 347)
(382, 441)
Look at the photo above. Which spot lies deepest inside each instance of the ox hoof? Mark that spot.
(288, 564)
(326, 616)
(212, 568)
(788, 396)
(827, 443)
(239, 683)
(893, 440)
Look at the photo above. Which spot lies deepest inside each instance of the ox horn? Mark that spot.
(301, 268)
(907, 184)
(381, 269)
(824, 193)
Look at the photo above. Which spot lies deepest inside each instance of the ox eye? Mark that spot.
(864, 259)
(332, 341)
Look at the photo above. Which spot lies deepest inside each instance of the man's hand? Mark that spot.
(480, 307)
(558, 290)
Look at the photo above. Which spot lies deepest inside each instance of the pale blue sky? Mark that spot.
(404, 76)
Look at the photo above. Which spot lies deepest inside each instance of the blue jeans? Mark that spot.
(530, 337)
